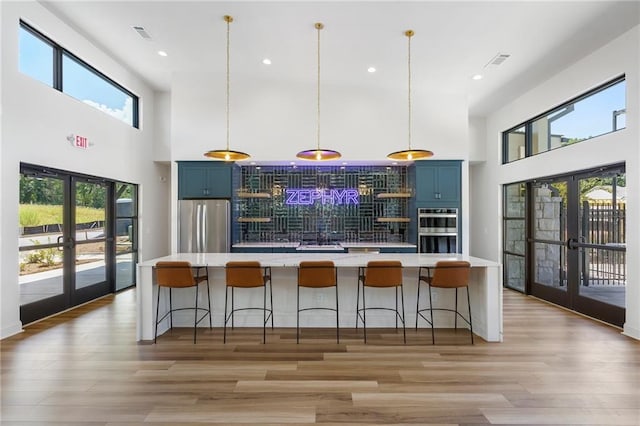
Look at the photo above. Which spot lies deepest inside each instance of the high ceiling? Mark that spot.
(453, 40)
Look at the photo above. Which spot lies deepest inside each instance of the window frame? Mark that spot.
(526, 222)
(528, 124)
(60, 52)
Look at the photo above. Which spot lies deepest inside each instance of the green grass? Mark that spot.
(36, 214)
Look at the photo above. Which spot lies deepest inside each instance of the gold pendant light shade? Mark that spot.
(318, 154)
(227, 154)
(410, 154)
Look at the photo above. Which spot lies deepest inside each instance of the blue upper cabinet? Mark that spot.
(204, 179)
(437, 183)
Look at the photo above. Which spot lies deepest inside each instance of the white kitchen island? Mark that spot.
(485, 292)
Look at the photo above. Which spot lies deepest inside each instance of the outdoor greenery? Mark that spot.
(37, 214)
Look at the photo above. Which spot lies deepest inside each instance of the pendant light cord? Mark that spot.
(319, 26)
(409, 34)
(229, 19)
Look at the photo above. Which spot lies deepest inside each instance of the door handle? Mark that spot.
(572, 243)
(60, 243)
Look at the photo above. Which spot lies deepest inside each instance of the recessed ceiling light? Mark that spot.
(292, 163)
(477, 77)
(371, 69)
(253, 163)
(162, 53)
(266, 61)
(344, 164)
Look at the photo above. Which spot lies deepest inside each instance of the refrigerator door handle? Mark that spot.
(203, 235)
(198, 227)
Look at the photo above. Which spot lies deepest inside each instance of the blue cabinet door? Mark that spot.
(438, 183)
(201, 179)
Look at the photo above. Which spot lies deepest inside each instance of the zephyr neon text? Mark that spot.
(324, 196)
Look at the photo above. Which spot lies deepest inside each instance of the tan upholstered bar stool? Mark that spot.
(445, 274)
(248, 274)
(317, 274)
(380, 274)
(179, 274)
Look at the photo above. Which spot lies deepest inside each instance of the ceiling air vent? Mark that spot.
(142, 32)
(497, 60)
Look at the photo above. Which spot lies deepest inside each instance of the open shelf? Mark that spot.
(394, 195)
(253, 195)
(393, 219)
(254, 219)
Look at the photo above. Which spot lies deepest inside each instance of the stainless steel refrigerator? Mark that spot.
(204, 226)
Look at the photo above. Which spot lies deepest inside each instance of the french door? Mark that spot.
(66, 243)
(577, 242)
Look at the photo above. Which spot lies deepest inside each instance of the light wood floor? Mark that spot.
(84, 368)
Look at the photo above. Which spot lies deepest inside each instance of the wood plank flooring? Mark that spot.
(84, 367)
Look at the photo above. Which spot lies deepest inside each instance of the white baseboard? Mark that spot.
(634, 333)
(11, 330)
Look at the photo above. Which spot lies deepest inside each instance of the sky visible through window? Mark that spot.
(593, 115)
(36, 60)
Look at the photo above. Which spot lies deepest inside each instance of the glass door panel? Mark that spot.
(601, 243)
(126, 235)
(549, 227)
(515, 236)
(41, 240)
(90, 236)
(44, 245)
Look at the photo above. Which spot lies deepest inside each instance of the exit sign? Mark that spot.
(77, 141)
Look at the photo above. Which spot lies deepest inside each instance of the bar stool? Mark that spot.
(446, 274)
(179, 274)
(248, 274)
(317, 274)
(380, 274)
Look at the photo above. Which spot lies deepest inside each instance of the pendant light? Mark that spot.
(227, 154)
(317, 153)
(411, 153)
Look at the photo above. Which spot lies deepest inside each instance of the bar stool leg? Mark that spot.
(155, 337)
(170, 309)
(264, 314)
(470, 321)
(364, 315)
(418, 303)
(358, 301)
(404, 329)
(232, 307)
(396, 308)
(455, 321)
(209, 300)
(226, 296)
(298, 316)
(337, 316)
(271, 294)
(195, 316)
(433, 333)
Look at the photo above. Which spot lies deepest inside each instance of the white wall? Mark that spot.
(621, 56)
(36, 120)
(273, 120)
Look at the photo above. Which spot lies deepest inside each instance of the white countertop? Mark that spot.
(275, 244)
(346, 245)
(340, 259)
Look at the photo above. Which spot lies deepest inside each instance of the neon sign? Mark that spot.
(325, 196)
